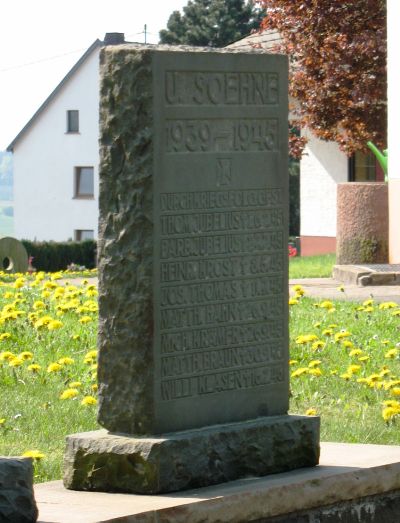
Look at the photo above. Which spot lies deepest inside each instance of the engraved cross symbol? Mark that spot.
(224, 171)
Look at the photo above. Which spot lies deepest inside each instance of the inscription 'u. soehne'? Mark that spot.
(221, 88)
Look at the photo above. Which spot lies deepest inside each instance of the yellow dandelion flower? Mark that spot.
(75, 384)
(317, 325)
(327, 332)
(353, 369)
(315, 372)
(346, 376)
(94, 387)
(54, 367)
(293, 301)
(38, 305)
(306, 338)
(41, 322)
(92, 355)
(368, 303)
(396, 312)
(341, 335)
(364, 358)
(54, 324)
(33, 316)
(69, 394)
(388, 305)
(66, 361)
(49, 285)
(348, 344)
(19, 282)
(89, 400)
(395, 391)
(85, 319)
(16, 362)
(293, 362)
(389, 413)
(26, 355)
(392, 403)
(314, 363)
(391, 354)
(311, 412)
(374, 377)
(2, 421)
(299, 372)
(326, 305)
(34, 367)
(34, 454)
(6, 356)
(46, 294)
(317, 345)
(368, 309)
(355, 352)
(5, 336)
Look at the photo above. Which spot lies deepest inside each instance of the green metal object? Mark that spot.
(381, 156)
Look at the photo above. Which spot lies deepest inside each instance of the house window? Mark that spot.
(73, 121)
(84, 182)
(363, 167)
(83, 234)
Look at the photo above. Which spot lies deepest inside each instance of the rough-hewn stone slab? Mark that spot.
(192, 238)
(351, 483)
(117, 463)
(17, 502)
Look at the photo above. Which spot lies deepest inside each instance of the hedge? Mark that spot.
(55, 256)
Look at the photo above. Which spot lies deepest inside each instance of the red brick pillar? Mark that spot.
(362, 223)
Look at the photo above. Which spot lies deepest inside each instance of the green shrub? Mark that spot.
(55, 256)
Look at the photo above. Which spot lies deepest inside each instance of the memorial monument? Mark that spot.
(193, 289)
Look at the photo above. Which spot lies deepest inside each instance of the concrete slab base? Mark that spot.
(366, 275)
(359, 482)
(107, 462)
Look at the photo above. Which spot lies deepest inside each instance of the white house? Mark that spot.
(56, 157)
(322, 167)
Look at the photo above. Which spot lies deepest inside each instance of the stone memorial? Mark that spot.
(193, 288)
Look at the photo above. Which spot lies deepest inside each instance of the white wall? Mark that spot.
(393, 17)
(44, 161)
(322, 167)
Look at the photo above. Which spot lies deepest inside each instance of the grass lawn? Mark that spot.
(344, 362)
(311, 266)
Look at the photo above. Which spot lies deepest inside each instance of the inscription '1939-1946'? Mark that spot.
(246, 135)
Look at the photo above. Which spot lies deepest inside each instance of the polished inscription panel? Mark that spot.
(220, 250)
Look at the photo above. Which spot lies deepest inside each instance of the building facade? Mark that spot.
(56, 157)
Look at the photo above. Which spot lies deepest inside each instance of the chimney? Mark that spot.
(114, 38)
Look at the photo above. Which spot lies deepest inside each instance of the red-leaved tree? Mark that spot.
(337, 51)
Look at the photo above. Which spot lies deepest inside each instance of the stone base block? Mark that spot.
(102, 461)
(17, 502)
